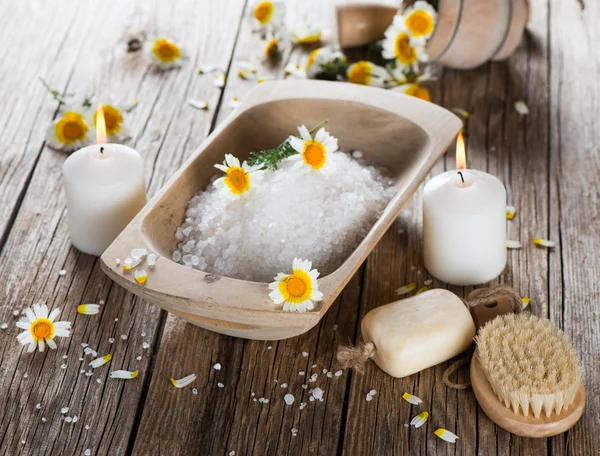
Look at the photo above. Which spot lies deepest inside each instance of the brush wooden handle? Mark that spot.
(516, 423)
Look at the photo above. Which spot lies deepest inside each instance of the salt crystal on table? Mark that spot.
(124, 336)
(301, 373)
(139, 253)
(194, 391)
(75, 419)
(65, 356)
(305, 354)
(44, 420)
(289, 399)
(217, 367)
(25, 375)
(284, 385)
(38, 406)
(329, 375)
(63, 366)
(232, 453)
(338, 373)
(220, 385)
(314, 366)
(151, 260)
(3, 326)
(64, 410)
(311, 398)
(111, 340)
(313, 378)
(324, 371)
(372, 392)
(87, 452)
(145, 345)
(83, 345)
(317, 393)
(427, 282)
(62, 272)
(269, 347)
(369, 397)
(101, 302)
(139, 358)
(16, 313)
(304, 386)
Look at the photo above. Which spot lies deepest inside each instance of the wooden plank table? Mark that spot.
(548, 161)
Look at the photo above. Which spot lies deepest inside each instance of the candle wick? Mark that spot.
(461, 177)
(102, 151)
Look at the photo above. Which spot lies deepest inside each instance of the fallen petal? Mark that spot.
(414, 400)
(446, 435)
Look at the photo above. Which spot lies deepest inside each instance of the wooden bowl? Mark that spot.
(468, 32)
(402, 133)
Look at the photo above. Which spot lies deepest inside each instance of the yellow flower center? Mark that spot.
(419, 92)
(310, 39)
(71, 128)
(404, 51)
(296, 287)
(272, 48)
(263, 12)
(42, 328)
(165, 50)
(314, 154)
(360, 73)
(112, 118)
(420, 23)
(237, 180)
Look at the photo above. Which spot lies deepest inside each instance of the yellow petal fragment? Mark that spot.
(446, 435)
(422, 289)
(406, 288)
(525, 302)
(544, 242)
(510, 212)
(419, 420)
(182, 382)
(414, 400)
(131, 263)
(140, 276)
(461, 112)
(88, 309)
(100, 361)
(513, 244)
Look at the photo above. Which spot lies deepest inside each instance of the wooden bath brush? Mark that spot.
(526, 376)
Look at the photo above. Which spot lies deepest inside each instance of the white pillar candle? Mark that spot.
(105, 188)
(464, 227)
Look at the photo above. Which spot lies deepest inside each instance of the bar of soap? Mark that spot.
(418, 332)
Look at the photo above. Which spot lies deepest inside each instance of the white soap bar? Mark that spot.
(418, 332)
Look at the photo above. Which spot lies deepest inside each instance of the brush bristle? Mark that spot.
(529, 363)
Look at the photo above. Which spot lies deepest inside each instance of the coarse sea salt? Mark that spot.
(319, 215)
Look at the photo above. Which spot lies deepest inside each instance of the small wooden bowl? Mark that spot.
(468, 32)
(402, 133)
(516, 423)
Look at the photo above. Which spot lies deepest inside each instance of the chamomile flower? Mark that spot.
(294, 70)
(70, 131)
(312, 152)
(298, 290)
(306, 34)
(165, 54)
(116, 130)
(401, 76)
(272, 47)
(420, 19)
(316, 59)
(399, 45)
(367, 73)
(414, 90)
(41, 329)
(239, 178)
(268, 14)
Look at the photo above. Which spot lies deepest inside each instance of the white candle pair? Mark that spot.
(105, 189)
(464, 225)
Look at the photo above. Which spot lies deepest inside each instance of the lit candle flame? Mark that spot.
(461, 157)
(100, 126)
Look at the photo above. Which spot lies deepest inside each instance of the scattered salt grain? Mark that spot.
(87, 452)
(80, 359)
(305, 354)
(342, 209)
(83, 345)
(284, 385)
(338, 373)
(87, 427)
(313, 378)
(116, 319)
(357, 154)
(138, 253)
(289, 399)
(75, 419)
(124, 336)
(145, 345)
(44, 420)
(329, 375)
(62, 272)
(324, 371)
(82, 371)
(151, 260)
(369, 397)
(372, 392)
(111, 340)
(101, 302)
(232, 453)
(99, 380)
(16, 313)
(275, 380)
(294, 432)
(194, 391)
(64, 410)
(304, 386)
(217, 367)
(428, 282)
(521, 107)
(25, 375)
(118, 261)
(263, 400)
(88, 350)
(269, 347)
(301, 373)
(3, 326)
(139, 358)
(63, 366)
(220, 385)
(317, 393)
(314, 366)
(252, 393)
(311, 399)
(65, 356)
(38, 406)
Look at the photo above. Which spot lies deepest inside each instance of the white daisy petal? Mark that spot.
(124, 374)
(419, 420)
(30, 315)
(411, 399)
(88, 309)
(100, 361)
(182, 382)
(304, 133)
(446, 435)
(55, 313)
(297, 144)
(32, 346)
(51, 344)
(23, 325)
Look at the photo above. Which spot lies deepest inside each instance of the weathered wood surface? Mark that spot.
(548, 161)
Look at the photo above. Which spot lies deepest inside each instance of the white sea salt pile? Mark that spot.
(316, 215)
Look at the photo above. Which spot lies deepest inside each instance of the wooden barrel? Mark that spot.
(468, 32)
